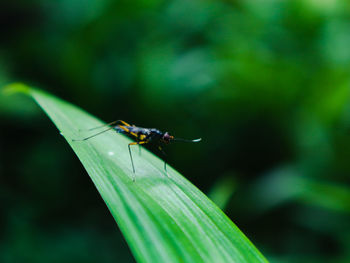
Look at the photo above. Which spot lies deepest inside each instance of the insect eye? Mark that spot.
(167, 137)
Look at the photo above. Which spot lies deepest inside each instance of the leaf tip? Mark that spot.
(16, 88)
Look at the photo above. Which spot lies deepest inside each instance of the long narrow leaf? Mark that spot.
(163, 219)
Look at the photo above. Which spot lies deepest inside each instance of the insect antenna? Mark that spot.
(74, 140)
(185, 140)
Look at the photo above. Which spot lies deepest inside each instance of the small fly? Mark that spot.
(141, 135)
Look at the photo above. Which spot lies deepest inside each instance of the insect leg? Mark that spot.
(165, 157)
(109, 124)
(132, 162)
(110, 128)
(74, 140)
(124, 128)
(138, 140)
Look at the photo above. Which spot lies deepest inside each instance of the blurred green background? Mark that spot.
(265, 83)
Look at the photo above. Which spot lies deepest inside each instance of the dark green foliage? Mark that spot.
(264, 83)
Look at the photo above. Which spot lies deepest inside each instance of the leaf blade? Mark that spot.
(163, 219)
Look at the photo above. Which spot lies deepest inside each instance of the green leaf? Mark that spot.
(163, 219)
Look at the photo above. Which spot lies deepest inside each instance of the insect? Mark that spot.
(141, 135)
